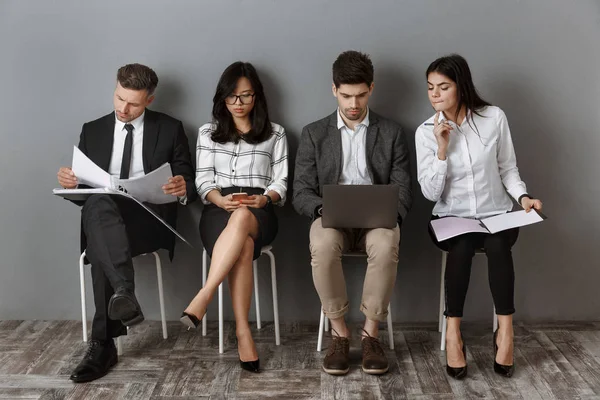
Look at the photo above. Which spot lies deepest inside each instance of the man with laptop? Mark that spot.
(352, 147)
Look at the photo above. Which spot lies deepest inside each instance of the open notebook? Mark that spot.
(449, 227)
(144, 189)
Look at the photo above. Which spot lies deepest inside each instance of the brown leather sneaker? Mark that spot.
(336, 360)
(374, 360)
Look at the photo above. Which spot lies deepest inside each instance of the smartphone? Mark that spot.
(239, 196)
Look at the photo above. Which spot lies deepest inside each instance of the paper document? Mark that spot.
(87, 172)
(510, 220)
(144, 189)
(148, 188)
(449, 227)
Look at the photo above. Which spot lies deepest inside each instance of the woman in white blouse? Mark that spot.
(467, 165)
(241, 151)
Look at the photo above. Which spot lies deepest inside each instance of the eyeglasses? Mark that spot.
(244, 98)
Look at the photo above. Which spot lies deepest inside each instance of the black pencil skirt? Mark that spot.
(214, 220)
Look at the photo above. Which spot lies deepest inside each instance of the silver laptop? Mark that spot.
(360, 206)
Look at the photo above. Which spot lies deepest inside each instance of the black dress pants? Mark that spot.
(501, 273)
(116, 230)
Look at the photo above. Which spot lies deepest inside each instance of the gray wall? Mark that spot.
(538, 60)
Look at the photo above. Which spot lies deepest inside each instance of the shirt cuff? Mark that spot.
(206, 191)
(281, 200)
(518, 191)
(521, 197)
(318, 212)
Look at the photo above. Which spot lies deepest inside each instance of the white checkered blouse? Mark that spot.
(263, 165)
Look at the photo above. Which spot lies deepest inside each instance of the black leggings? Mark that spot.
(501, 273)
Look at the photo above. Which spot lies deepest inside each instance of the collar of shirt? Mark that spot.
(443, 118)
(137, 123)
(341, 124)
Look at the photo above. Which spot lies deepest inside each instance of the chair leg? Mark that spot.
(256, 296)
(204, 268)
(443, 322)
(390, 328)
(161, 296)
(119, 346)
(443, 344)
(82, 288)
(221, 318)
(320, 339)
(275, 300)
(326, 324)
(442, 291)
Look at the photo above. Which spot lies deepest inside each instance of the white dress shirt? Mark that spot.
(354, 164)
(261, 165)
(479, 168)
(137, 167)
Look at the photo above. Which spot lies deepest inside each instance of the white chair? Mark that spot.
(161, 299)
(442, 319)
(324, 321)
(265, 250)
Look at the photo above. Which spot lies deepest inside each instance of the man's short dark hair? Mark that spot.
(351, 68)
(137, 77)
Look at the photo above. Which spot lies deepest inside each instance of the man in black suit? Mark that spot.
(129, 142)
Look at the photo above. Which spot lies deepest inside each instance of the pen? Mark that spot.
(428, 124)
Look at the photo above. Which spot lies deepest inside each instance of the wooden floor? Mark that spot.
(554, 361)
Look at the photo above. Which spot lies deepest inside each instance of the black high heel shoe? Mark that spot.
(460, 372)
(504, 370)
(252, 366)
(189, 320)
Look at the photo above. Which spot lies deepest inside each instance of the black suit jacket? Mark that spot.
(164, 141)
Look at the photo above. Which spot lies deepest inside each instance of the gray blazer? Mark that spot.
(319, 162)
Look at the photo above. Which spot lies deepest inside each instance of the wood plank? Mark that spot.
(279, 383)
(21, 393)
(35, 382)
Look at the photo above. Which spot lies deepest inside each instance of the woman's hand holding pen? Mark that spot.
(442, 136)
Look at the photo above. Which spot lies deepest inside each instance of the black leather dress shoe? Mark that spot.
(97, 361)
(252, 366)
(124, 306)
(504, 370)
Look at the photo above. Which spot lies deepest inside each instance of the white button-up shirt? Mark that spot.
(137, 167)
(479, 169)
(354, 164)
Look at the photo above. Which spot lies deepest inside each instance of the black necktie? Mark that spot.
(126, 161)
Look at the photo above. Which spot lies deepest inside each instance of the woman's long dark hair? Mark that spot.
(455, 67)
(225, 130)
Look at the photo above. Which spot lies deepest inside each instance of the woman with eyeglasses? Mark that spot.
(241, 173)
(467, 165)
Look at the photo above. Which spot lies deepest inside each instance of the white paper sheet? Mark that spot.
(148, 188)
(510, 220)
(449, 227)
(87, 172)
